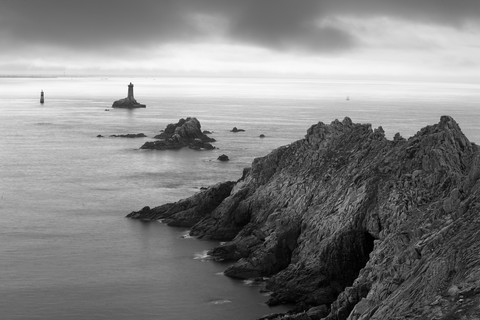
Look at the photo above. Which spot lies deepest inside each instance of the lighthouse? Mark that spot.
(129, 102)
(42, 98)
(130, 92)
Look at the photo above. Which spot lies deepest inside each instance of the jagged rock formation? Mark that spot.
(128, 135)
(350, 225)
(184, 133)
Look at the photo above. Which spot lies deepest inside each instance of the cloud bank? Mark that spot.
(120, 28)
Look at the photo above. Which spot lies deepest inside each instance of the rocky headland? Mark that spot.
(346, 224)
(185, 133)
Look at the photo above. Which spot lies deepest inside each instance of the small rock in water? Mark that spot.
(129, 135)
(223, 157)
(262, 136)
(235, 129)
(99, 136)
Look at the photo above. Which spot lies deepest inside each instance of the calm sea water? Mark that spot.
(66, 250)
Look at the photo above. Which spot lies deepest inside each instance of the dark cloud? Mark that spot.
(276, 24)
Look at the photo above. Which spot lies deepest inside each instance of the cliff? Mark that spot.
(184, 133)
(346, 224)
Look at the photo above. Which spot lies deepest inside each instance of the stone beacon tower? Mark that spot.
(42, 98)
(130, 92)
(129, 102)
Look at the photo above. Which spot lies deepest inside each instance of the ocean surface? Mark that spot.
(66, 250)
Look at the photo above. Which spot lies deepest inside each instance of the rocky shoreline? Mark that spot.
(347, 224)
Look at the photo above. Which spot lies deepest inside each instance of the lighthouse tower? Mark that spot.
(42, 97)
(130, 92)
(129, 102)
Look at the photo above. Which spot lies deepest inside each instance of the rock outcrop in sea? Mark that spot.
(347, 224)
(184, 133)
(223, 157)
(129, 135)
(235, 129)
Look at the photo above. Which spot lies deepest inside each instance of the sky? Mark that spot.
(321, 38)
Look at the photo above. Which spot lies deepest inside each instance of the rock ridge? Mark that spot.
(347, 224)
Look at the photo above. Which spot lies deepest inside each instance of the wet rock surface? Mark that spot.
(347, 224)
(185, 133)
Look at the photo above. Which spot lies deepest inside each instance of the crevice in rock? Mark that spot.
(342, 259)
(355, 259)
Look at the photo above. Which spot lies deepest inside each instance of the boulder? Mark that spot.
(235, 129)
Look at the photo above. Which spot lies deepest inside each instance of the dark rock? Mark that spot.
(129, 135)
(262, 136)
(127, 104)
(184, 133)
(223, 157)
(235, 129)
(207, 132)
(99, 136)
(347, 222)
(398, 137)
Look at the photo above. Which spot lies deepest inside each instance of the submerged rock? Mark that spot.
(349, 225)
(184, 133)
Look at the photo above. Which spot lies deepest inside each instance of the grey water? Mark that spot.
(66, 250)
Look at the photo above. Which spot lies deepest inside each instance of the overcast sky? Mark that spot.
(405, 38)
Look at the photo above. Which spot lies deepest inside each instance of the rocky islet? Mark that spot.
(185, 133)
(347, 224)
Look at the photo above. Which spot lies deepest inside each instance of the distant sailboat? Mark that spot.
(42, 98)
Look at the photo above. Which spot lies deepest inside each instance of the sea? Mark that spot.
(66, 249)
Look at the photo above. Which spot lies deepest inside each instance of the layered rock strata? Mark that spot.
(347, 224)
(184, 133)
